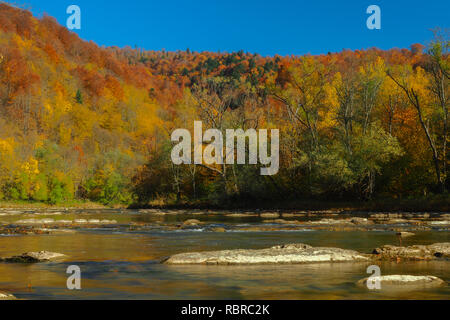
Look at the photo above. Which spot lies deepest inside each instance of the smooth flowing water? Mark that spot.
(122, 262)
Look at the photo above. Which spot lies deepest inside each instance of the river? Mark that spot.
(122, 261)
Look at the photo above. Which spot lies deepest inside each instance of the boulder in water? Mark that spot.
(6, 296)
(406, 282)
(34, 257)
(405, 234)
(415, 252)
(191, 222)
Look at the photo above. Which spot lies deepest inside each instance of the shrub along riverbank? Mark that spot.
(431, 204)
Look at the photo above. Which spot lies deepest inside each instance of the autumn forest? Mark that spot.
(79, 122)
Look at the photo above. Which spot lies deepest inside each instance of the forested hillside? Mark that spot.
(78, 121)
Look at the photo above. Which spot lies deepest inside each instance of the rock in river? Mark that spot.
(416, 252)
(406, 282)
(270, 215)
(191, 222)
(33, 257)
(291, 253)
(362, 221)
(405, 234)
(6, 296)
(240, 215)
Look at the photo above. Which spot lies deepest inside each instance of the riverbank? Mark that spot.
(439, 203)
(436, 204)
(59, 206)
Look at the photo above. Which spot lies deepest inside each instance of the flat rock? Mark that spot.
(108, 222)
(240, 215)
(289, 215)
(63, 221)
(33, 257)
(191, 222)
(10, 213)
(405, 234)
(282, 221)
(361, 221)
(293, 246)
(396, 221)
(406, 281)
(28, 221)
(284, 254)
(386, 215)
(415, 252)
(330, 222)
(6, 296)
(269, 215)
(440, 223)
(51, 213)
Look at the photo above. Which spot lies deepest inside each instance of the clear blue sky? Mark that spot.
(258, 26)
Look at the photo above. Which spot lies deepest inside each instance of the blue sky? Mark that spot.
(267, 27)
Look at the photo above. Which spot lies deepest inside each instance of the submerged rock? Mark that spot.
(290, 253)
(33, 257)
(416, 252)
(406, 281)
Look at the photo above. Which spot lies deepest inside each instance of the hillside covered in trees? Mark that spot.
(78, 121)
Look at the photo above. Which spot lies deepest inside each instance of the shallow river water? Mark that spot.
(123, 263)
